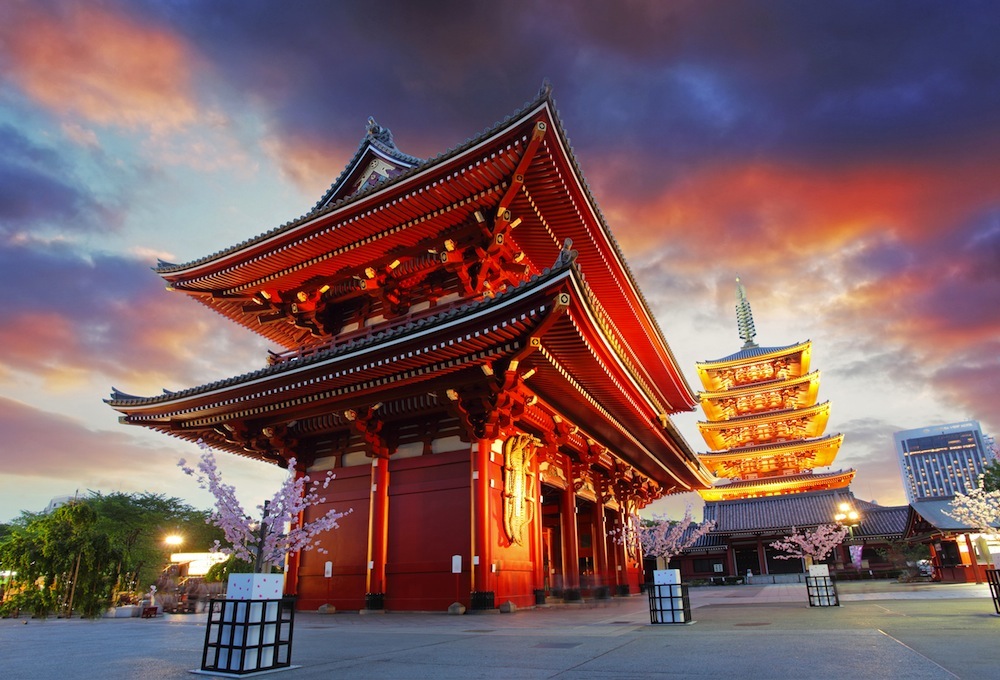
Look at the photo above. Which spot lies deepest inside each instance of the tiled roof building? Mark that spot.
(461, 341)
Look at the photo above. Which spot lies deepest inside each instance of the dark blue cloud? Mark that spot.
(672, 85)
(34, 189)
(69, 283)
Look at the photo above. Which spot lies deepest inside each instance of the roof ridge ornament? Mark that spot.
(744, 317)
(379, 133)
(566, 255)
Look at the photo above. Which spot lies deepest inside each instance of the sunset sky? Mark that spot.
(842, 158)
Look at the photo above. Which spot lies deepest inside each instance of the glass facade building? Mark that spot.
(939, 462)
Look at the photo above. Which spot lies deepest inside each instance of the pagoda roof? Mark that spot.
(826, 447)
(777, 515)
(778, 485)
(753, 354)
(767, 416)
(346, 232)
(548, 322)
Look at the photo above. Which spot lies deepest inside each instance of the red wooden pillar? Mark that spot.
(378, 525)
(621, 552)
(600, 543)
(536, 531)
(482, 554)
(571, 539)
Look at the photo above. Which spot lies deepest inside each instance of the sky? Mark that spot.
(842, 158)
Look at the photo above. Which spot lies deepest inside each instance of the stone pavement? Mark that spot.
(882, 630)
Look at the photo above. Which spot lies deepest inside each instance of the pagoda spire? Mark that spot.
(744, 316)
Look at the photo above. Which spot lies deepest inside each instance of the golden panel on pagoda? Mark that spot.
(756, 366)
(778, 486)
(773, 459)
(781, 426)
(773, 396)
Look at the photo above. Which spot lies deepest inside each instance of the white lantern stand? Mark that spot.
(250, 631)
(668, 598)
(821, 588)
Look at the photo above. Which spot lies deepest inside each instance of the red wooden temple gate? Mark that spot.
(444, 354)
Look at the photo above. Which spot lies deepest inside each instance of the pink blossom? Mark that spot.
(816, 544)
(978, 510)
(662, 537)
(243, 532)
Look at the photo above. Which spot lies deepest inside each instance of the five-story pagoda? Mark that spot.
(764, 426)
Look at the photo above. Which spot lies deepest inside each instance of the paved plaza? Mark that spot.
(882, 630)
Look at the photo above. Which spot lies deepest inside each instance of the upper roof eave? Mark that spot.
(755, 354)
(121, 399)
(521, 115)
(811, 376)
(683, 398)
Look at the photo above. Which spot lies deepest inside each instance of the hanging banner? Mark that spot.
(856, 555)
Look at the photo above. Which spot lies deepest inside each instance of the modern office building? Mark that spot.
(939, 462)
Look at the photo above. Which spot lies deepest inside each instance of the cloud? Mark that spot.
(105, 67)
(60, 447)
(37, 187)
(311, 164)
(108, 316)
(46, 455)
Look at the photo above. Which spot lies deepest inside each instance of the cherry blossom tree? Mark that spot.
(812, 545)
(663, 537)
(264, 541)
(979, 509)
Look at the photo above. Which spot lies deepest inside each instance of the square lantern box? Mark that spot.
(820, 587)
(668, 598)
(251, 630)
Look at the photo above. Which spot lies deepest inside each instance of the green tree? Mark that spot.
(60, 562)
(991, 476)
(84, 553)
(220, 571)
(904, 555)
(137, 525)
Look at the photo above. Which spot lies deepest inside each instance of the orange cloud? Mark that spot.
(312, 166)
(107, 68)
(767, 214)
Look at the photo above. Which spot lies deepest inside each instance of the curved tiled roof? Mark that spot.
(777, 514)
(316, 355)
(319, 209)
(765, 416)
(780, 480)
(752, 353)
(772, 447)
(377, 137)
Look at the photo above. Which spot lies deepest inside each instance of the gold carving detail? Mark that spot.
(518, 452)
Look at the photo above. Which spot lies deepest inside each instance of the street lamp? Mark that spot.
(173, 540)
(848, 517)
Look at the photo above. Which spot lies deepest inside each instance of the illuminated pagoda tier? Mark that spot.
(441, 351)
(765, 427)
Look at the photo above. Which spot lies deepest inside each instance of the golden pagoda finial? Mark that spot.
(744, 316)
